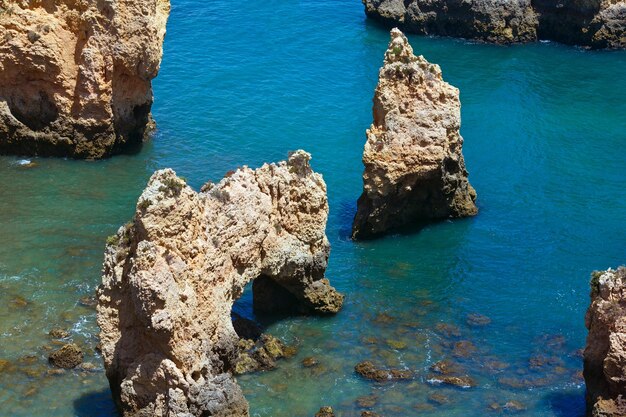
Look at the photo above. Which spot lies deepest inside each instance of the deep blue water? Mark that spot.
(244, 83)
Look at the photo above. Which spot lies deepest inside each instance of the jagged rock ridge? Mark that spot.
(414, 167)
(75, 75)
(592, 23)
(605, 352)
(171, 276)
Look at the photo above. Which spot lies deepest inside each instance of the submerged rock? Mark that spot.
(478, 320)
(514, 406)
(171, 276)
(369, 371)
(325, 412)
(68, 357)
(461, 381)
(59, 333)
(6, 366)
(310, 362)
(414, 168)
(260, 355)
(438, 399)
(592, 23)
(605, 352)
(464, 349)
(19, 302)
(367, 401)
(75, 75)
(446, 367)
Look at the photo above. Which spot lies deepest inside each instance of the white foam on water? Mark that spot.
(82, 327)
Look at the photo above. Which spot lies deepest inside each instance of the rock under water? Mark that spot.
(605, 352)
(75, 75)
(591, 23)
(414, 166)
(171, 276)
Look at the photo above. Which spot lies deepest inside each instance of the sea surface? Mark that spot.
(243, 83)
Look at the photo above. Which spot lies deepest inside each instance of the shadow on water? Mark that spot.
(567, 403)
(96, 404)
(347, 210)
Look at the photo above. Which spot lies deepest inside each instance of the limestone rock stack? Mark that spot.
(171, 276)
(591, 23)
(605, 353)
(414, 167)
(75, 75)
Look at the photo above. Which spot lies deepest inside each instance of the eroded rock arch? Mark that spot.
(171, 276)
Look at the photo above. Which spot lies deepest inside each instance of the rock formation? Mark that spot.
(605, 353)
(592, 23)
(69, 356)
(171, 276)
(75, 75)
(414, 168)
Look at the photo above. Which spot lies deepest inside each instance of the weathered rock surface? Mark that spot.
(171, 276)
(325, 412)
(414, 167)
(260, 354)
(370, 371)
(75, 75)
(69, 356)
(592, 23)
(605, 353)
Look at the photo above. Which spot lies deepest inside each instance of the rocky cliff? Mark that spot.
(75, 75)
(605, 353)
(592, 23)
(171, 276)
(414, 168)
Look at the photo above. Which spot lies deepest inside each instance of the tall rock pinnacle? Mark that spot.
(414, 167)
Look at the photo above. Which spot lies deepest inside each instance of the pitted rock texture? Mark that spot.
(414, 167)
(605, 353)
(592, 23)
(75, 75)
(171, 276)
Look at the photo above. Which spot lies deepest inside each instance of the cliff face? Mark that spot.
(75, 75)
(489, 20)
(170, 279)
(414, 167)
(593, 23)
(605, 353)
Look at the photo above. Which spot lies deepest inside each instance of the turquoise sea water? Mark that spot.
(245, 82)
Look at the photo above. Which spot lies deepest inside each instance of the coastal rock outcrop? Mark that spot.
(592, 23)
(69, 356)
(605, 352)
(171, 276)
(75, 75)
(414, 166)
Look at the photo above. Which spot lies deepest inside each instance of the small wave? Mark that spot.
(437, 381)
(83, 327)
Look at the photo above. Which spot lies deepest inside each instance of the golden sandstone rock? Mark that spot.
(605, 353)
(414, 167)
(75, 75)
(171, 276)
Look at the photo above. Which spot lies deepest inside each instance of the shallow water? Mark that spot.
(243, 83)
